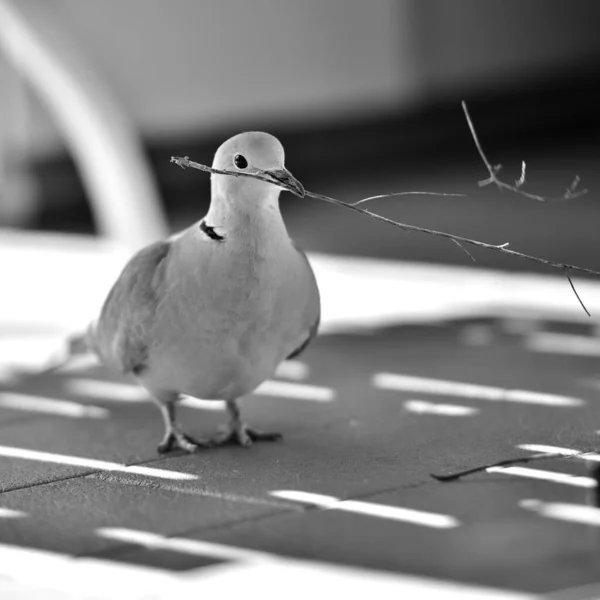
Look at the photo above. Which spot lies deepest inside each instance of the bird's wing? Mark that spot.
(121, 335)
(314, 307)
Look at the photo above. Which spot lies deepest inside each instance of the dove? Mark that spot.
(211, 311)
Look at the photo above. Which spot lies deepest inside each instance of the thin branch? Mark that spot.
(521, 181)
(184, 162)
(405, 194)
(464, 250)
(508, 462)
(492, 170)
(573, 185)
(570, 193)
(503, 248)
(576, 294)
(498, 248)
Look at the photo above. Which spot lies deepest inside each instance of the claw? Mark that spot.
(174, 440)
(244, 436)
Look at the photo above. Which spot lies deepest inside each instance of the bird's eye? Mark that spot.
(240, 161)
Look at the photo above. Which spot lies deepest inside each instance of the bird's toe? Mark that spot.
(192, 444)
(262, 436)
(166, 445)
(231, 436)
(244, 436)
(177, 440)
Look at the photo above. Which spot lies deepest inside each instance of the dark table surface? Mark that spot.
(343, 486)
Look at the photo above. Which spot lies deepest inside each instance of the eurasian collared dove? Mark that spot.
(213, 310)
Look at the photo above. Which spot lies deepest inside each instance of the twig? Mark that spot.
(498, 248)
(259, 174)
(506, 463)
(184, 162)
(576, 294)
(569, 194)
(404, 194)
(521, 181)
(503, 248)
(464, 250)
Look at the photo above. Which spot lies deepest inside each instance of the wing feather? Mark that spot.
(315, 306)
(121, 335)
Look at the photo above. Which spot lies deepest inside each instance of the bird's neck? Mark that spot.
(247, 217)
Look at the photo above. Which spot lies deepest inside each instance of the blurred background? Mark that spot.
(95, 97)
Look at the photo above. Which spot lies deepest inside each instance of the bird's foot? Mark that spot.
(177, 439)
(243, 435)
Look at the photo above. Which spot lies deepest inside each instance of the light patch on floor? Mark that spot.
(382, 511)
(90, 463)
(106, 390)
(296, 391)
(563, 511)
(126, 392)
(423, 407)
(9, 513)
(295, 370)
(550, 476)
(425, 385)
(186, 546)
(197, 403)
(51, 406)
(567, 452)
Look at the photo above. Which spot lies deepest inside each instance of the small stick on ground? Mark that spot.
(506, 463)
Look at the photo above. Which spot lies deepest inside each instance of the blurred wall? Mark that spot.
(186, 66)
(487, 43)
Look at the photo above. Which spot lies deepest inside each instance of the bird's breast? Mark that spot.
(229, 318)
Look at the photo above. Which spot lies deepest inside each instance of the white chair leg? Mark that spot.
(102, 139)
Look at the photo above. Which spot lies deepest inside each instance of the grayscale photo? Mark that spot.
(299, 298)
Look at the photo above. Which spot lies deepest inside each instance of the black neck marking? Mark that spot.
(210, 232)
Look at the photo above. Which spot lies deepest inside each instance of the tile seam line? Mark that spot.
(273, 514)
(306, 508)
(87, 473)
(105, 476)
(125, 547)
(43, 483)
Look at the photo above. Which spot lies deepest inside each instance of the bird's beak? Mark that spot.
(287, 181)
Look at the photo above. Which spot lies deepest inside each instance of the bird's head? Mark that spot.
(253, 152)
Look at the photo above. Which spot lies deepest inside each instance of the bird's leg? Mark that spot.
(237, 432)
(174, 436)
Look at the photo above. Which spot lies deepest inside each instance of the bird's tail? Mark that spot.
(75, 345)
